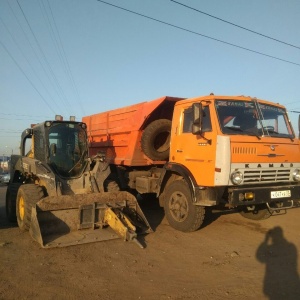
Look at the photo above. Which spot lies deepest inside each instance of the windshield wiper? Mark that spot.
(244, 131)
(234, 128)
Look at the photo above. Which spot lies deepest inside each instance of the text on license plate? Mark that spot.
(281, 194)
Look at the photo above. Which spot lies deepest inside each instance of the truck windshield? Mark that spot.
(253, 118)
(67, 149)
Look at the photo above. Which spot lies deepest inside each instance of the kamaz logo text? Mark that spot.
(271, 166)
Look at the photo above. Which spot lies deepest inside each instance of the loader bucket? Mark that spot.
(78, 219)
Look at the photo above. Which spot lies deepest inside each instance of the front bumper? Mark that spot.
(262, 194)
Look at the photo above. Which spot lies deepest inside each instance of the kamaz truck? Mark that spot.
(228, 151)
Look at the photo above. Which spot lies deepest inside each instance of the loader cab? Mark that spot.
(60, 144)
(67, 148)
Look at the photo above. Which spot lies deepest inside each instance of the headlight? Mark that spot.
(237, 177)
(296, 175)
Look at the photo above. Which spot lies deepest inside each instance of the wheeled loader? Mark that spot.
(63, 196)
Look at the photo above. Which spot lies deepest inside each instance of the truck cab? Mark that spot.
(239, 143)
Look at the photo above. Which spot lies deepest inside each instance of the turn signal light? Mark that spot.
(249, 196)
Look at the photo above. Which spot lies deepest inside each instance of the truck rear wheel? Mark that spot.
(255, 212)
(28, 195)
(11, 199)
(180, 211)
(156, 139)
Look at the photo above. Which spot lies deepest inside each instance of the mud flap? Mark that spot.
(78, 219)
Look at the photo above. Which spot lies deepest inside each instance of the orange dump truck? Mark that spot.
(240, 152)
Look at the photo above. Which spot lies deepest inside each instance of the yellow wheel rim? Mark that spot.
(21, 208)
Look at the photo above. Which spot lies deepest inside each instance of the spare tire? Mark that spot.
(156, 139)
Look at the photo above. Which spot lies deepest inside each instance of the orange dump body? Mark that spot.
(118, 132)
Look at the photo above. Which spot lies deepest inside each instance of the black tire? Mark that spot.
(258, 212)
(156, 139)
(28, 195)
(11, 200)
(180, 211)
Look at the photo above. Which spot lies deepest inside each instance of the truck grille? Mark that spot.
(244, 150)
(266, 175)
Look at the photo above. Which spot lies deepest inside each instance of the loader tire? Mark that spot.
(180, 211)
(156, 139)
(11, 200)
(258, 212)
(28, 195)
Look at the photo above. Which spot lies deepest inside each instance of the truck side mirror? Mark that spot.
(197, 118)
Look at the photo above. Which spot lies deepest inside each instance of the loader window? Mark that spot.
(39, 145)
(29, 148)
(67, 149)
(188, 120)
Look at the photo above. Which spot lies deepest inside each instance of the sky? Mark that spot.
(81, 57)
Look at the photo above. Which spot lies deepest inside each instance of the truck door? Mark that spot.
(195, 152)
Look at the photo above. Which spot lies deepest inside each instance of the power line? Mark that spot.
(10, 131)
(44, 57)
(241, 27)
(62, 53)
(17, 119)
(200, 34)
(27, 116)
(32, 84)
(37, 57)
(21, 51)
(54, 33)
(297, 101)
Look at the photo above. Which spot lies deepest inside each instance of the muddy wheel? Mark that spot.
(255, 212)
(28, 195)
(11, 199)
(180, 211)
(156, 139)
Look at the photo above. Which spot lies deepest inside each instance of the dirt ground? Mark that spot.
(228, 258)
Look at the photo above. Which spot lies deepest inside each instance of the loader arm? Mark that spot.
(121, 224)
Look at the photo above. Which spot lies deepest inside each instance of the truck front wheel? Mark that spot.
(255, 212)
(28, 195)
(180, 211)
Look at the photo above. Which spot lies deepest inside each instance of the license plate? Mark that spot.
(281, 194)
